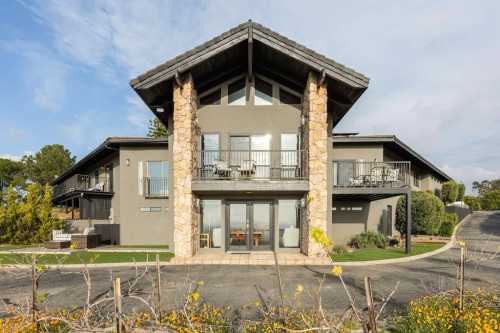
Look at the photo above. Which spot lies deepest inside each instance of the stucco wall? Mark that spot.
(137, 227)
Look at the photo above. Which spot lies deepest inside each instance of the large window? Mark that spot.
(156, 184)
(210, 228)
(289, 156)
(289, 223)
(252, 155)
(212, 98)
(237, 92)
(263, 92)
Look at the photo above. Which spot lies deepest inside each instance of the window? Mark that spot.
(210, 228)
(212, 98)
(237, 92)
(263, 92)
(156, 184)
(210, 152)
(289, 223)
(289, 98)
(253, 152)
(289, 156)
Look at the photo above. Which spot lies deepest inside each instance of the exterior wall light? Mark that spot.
(127, 161)
(160, 110)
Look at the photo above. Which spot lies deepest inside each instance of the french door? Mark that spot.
(249, 225)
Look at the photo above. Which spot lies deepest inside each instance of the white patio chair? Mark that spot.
(248, 168)
(216, 237)
(59, 235)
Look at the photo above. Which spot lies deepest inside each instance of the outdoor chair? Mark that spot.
(376, 175)
(59, 235)
(391, 175)
(248, 168)
(221, 169)
(216, 237)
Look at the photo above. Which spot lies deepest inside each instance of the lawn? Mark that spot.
(85, 257)
(388, 253)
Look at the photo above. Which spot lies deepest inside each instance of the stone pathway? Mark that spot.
(263, 258)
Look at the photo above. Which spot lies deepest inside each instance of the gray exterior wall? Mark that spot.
(138, 227)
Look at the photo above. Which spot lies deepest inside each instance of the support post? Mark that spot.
(158, 286)
(408, 223)
(118, 304)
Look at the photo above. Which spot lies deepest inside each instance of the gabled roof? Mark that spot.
(394, 142)
(107, 147)
(251, 47)
(186, 60)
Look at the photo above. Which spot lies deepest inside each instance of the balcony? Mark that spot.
(251, 165)
(155, 187)
(371, 175)
(79, 182)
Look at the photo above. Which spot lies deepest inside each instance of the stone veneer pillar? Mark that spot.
(315, 140)
(185, 147)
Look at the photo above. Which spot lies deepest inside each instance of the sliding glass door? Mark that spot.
(249, 225)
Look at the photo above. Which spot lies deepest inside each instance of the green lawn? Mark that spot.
(84, 257)
(165, 247)
(388, 253)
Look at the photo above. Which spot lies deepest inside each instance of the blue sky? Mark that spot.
(434, 68)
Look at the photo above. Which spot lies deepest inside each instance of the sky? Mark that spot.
(434, 68)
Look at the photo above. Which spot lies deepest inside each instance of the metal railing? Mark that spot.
(251, 164)
(79, 182)
(155, 187)
(371, 174)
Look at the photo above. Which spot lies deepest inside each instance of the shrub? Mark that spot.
(450, 220)
(394, 242)
(440, 313)
(473, 202)
(461, 192)
(368, 239)
(30, 219)
(437, 193)
(449, 192)
(338, 249)
(427, 213)
(491, 200)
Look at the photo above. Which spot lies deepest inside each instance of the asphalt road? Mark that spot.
(239, 286)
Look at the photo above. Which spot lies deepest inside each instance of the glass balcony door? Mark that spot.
(249, 226)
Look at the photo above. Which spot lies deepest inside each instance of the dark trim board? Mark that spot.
(256, 186)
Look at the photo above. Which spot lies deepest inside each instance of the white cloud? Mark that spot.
(138, 114)
(11, 157)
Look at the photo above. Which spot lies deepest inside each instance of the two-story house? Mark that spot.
(250, 162)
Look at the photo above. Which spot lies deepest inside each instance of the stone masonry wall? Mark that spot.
(315, 140)
(185, 146)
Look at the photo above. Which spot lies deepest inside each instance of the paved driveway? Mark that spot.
(237, 286)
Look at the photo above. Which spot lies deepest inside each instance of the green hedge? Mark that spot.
(473, 202)
(427, 214)
(450, 220)
(368, 239)
(491, 200)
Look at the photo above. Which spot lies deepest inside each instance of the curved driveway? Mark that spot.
(237, 286)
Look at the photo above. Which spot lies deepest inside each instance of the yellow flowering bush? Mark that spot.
(441, 313)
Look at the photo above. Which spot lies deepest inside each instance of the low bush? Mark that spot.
(473, 202)
(450, 220)
(491, 200)
(338, 249)
(440, 313)
(368, 239)
(427, 213)
(394, 242)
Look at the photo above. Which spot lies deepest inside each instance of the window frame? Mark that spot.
(146, 174)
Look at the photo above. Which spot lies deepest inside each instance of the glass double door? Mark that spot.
(249, 226)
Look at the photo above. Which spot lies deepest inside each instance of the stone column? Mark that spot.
(315, 140)
(185, 151)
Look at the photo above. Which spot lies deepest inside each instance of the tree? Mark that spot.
(427, 214)
(474, 203)
(51, 161)
(461, 192)
(156, 129)
(11, 172)
(491, 200)
(449, 192)
(485, 186)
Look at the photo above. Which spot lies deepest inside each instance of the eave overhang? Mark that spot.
(271, 54)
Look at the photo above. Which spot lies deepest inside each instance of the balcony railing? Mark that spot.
(155, 187)
(251, 165)
(79, 182)
(371, 174)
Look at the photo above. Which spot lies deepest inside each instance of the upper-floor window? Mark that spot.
(211, 98)
(236, 92)
(287, 97)
(263, 92)
(416, 179)
(156, 180)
